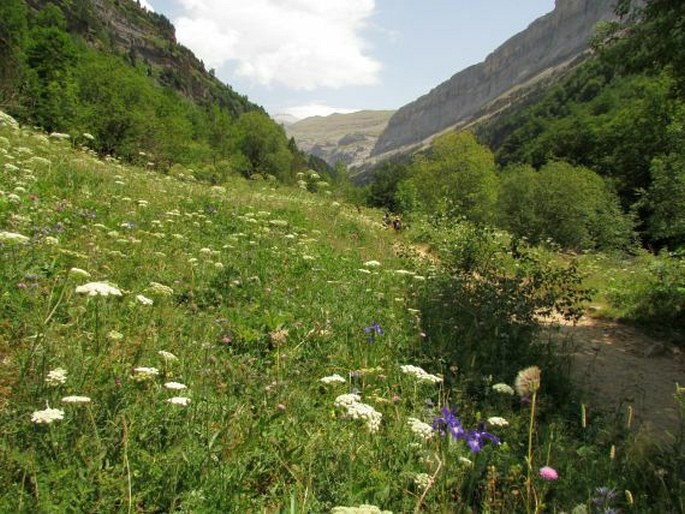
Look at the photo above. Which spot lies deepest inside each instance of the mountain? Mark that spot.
(552, 44)
(347, 138)
(147, 39)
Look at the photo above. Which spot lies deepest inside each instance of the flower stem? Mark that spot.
(529, 458)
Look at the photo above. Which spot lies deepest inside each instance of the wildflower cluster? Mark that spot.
(420, 374)
(356, 410)
(419, 428)
(475, 439)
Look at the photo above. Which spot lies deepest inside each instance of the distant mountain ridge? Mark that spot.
(345, 138)
(553, 41)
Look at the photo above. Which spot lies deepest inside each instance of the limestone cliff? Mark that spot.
(550, 42)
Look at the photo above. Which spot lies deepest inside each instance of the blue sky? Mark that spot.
(315, 57)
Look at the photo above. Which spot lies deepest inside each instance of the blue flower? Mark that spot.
(372, 330)
(449, 422)
(475, 439)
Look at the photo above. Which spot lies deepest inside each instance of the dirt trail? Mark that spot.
(617, 366)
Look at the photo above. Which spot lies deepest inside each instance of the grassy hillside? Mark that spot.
(164, 342)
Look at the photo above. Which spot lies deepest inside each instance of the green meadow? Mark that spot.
(171, 346)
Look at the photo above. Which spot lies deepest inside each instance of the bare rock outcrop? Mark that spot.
(550, 42)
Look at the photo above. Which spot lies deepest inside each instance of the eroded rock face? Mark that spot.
(549, 42)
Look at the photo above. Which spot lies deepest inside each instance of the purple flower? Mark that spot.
(449, 422)
(475, 439)
(372, 330)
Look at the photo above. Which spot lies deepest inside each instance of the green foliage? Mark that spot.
(13, 37)
(268, 290)
(655, 298)
(570, 205)
(455, 178)
(484, 312)
(265, 145)
(69, 86)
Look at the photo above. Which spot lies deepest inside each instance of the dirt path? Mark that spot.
(618, 366)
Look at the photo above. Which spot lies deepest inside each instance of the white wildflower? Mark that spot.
(47, 416)
(88, 136)
(59, 135)
(465, 461)
(181, 401)
(372, 264)
(345, 400)
(52, 241)
(367, 413)
(420, 374)
(143, 374)
(55, 377)
(78, 272)
(332, 379)
(503, 388)
(421, 429)
(144, 300)
(175, 386)
(99, 289)
(76, 399)
(167, 356)
(160, 289)
(113, 335)
(498, 421)
(423, 480)
(12, 237)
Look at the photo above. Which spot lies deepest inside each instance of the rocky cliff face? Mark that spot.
(147, 39)
(550, 42)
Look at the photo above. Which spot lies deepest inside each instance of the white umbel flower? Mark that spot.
(99, 289)
(76, 399)
(420, 374)
(345, 400)
(143, 300)
(367, 413)
(56, 377)
(144, 373)
(13, 237)
(497, 421)
(47, 416)
(181, 401)
(503, 388)
(167, 356)
(421, 429)
(332, 379)
(175, 386)
(78, 272)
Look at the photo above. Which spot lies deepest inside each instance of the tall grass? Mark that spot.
(204, 374)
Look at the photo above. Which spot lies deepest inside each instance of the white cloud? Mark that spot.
(146, 5)
(315, 109)
(302, 44)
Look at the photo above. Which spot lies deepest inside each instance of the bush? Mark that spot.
(656, 298)
(571, 205)
(482, 313)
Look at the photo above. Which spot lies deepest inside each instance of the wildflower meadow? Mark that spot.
(171, 346)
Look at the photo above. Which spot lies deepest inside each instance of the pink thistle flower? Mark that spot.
(548, 473)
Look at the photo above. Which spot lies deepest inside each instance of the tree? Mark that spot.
(456, 178)
(13, 39)
(265, 145)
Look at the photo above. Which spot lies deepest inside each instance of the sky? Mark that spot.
(317, 57)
